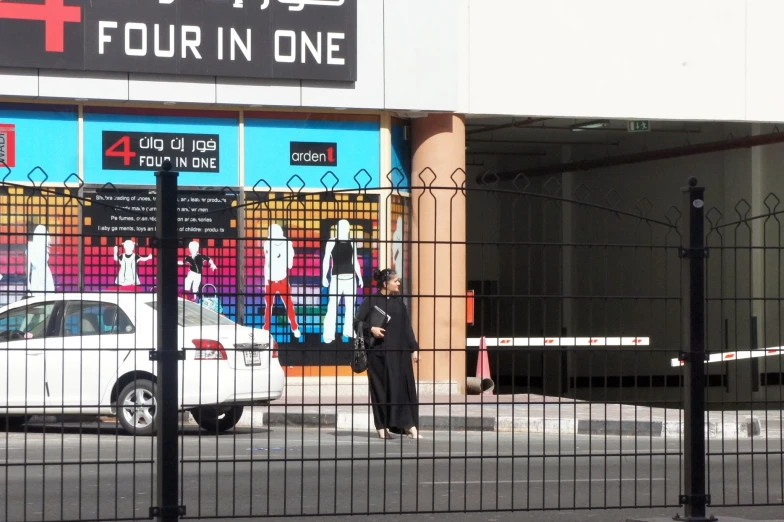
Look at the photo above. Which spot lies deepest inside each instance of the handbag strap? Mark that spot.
(359, 339)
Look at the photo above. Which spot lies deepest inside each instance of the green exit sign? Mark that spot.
(639, 126)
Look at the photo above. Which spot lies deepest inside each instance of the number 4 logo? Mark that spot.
(122, 149)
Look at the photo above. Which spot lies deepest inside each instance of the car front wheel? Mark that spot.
(210, 420)
(136, 408)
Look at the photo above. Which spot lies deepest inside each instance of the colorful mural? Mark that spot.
(39, 242)
(309, 260)
(296, 260)
(119, 225)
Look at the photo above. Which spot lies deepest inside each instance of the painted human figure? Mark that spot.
(195, 262)
(128, 274)
(278, 260)
(340, 255)
(397, 247)
(39, 275)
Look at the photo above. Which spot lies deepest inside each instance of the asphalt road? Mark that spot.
(71, 474)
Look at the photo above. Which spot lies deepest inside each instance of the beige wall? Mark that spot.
(707, 60)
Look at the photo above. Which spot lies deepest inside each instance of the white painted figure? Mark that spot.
(39, 275)
(397, 247)
(195, 262)
(128, 274)
(278, 260)
(340, 255)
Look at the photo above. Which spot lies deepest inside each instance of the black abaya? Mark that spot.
(393, 393)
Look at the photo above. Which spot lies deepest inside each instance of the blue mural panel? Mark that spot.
(39, 141)
(401, 157)
(315, 150)
(127, 147)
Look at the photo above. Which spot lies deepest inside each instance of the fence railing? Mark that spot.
(183, 353)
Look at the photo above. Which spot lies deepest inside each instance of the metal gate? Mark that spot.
(576, 350)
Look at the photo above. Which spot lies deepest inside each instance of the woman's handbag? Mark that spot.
(359, 361)
(212, 302)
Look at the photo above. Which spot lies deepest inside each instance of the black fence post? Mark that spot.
(167, 355)
(695, 499)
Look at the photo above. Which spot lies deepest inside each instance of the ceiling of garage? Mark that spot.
(509, 143)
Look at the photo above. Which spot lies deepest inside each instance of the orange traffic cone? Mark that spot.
(483, 369)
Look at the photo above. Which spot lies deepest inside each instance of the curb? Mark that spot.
(347, 421)
(746, 427)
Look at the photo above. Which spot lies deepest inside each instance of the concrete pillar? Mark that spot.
(438, 279)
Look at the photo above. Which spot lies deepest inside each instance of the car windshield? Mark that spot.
(26, 322)
(192, 314)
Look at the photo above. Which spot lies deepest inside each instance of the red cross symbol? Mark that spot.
(54, 13)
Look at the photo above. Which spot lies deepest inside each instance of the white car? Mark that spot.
(89, 353)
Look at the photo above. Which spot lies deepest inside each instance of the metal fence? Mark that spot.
(185, 353)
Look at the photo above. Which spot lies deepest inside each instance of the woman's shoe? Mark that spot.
(413, 434)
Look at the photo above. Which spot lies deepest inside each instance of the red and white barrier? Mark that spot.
(559, 341)
(736, 356)
(512, 342)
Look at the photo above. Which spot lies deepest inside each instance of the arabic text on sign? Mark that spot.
(294, 5)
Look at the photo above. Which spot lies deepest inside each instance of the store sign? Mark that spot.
(7, 145)
(314, 154)
(287, 39)
(305, 148)
(149, 150)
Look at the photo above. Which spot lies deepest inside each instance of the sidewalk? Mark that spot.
(514, 413)
(535, 414)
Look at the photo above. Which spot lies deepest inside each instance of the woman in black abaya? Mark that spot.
(394, 349)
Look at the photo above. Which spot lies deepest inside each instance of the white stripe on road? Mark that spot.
(641, 479)
(297, 454)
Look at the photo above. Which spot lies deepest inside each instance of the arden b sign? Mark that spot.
(314, 154)
(286, 39)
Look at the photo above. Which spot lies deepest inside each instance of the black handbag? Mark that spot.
(359, 361)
